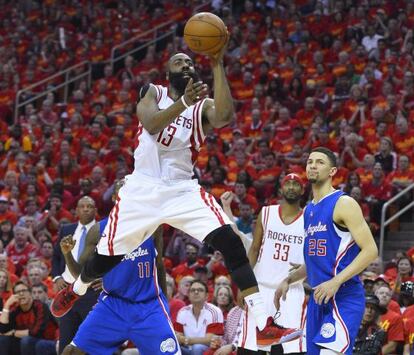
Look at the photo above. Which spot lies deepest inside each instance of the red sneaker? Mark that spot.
(274, 334)
(63, 301)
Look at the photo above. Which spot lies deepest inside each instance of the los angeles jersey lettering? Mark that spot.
(282, 243)
(171, 153)
(328, 248)
(135, 277)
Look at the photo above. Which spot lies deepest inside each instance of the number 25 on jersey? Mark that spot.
(317, 247)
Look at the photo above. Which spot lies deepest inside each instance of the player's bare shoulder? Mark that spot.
(346, 207)
(147, 105)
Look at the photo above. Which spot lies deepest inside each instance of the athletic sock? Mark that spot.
(80, 287)
(257, 307)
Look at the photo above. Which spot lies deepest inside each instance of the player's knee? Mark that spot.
(71, 349)
(225, 240)
(98, 265)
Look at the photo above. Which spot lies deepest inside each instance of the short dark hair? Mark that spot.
(20, 283)
(42, 286)
(329, 153)
(199, 282)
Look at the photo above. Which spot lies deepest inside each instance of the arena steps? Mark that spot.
(401, 240)
(407, 226)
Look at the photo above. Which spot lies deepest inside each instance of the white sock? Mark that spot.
(257, 307)
(80, 287)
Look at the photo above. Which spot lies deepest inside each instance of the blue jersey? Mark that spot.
(329, 248)
(135, 278)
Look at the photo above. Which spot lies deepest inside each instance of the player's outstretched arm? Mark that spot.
(348, 214)
(219, 112)
(296, 274)
(254, 250)
(155, 120)
(226, 199)
(91, 241)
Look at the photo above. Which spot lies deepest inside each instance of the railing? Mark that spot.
(64, 74)
(153, 32)
(384, 222)
(68, 78)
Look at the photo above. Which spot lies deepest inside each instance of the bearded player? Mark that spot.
(161, 189)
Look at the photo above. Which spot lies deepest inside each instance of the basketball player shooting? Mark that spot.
(338, 246)
(173, 121)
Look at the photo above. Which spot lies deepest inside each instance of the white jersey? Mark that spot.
(170, 154)
(282, 243)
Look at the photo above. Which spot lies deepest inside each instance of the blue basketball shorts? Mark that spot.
(335, 325)
(113, 321)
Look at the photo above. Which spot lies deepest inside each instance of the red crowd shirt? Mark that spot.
(393, 325)
(183, 269)
(21, 257)
(37, 319)
(381, 192)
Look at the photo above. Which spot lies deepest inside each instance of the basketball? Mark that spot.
(205, 33)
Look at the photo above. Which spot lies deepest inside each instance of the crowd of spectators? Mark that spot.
(303, 73)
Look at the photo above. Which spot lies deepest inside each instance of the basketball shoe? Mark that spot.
(63, 301)
(273, 334)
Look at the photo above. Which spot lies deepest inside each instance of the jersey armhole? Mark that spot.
(342, 229)
(200, 120)
(159, 92)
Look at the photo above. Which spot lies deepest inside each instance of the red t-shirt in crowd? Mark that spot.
(393, 325)
(21, 257)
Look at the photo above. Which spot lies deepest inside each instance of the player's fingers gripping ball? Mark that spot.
(205, 33)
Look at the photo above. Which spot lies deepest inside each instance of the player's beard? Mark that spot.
(292, 199)
(179, 82)
(312, 180)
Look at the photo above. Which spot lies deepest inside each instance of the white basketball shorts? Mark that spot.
(144, 203)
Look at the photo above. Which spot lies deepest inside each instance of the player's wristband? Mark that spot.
(184, 103)
(5, 310)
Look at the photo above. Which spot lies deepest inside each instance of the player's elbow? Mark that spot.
(223, 119)
(372, 251)
(151, 126)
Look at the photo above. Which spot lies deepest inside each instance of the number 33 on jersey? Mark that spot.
(281, 244)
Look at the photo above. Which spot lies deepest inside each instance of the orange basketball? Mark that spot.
(205, 33)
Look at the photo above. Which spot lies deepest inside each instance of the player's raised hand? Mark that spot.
(226, 198)
(325, 291)
(67, 244)
(217, 58)
(195, 91)
(12, 300)
(280, 293)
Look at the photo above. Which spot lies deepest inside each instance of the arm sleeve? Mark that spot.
(217, 326)
(179, 323)
(4, 328)
(396, 330)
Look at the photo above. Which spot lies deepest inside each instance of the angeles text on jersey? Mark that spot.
(136, 254)
(311, 230)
